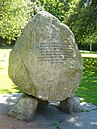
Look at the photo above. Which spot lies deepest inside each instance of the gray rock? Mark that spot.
(87, 106)
(70, 105)
(24, 109)
(7, 101)
(45, 61)
(45, 118)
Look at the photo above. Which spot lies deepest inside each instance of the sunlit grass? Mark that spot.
(6, 85)
(88, 85)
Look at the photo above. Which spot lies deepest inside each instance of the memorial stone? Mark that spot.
(45, 61)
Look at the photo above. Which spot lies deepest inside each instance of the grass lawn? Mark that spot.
(87, 89)
(88, 85)
(6, 85)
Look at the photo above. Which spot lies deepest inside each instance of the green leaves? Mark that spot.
(14, 14)
(79, 15)
(83, 22)
(56, 7)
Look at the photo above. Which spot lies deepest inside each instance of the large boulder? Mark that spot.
(46, 62)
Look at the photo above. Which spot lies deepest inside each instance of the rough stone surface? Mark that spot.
(45, 118)
(45, 61)
(24, 109)
(70, 105)
(87, 106)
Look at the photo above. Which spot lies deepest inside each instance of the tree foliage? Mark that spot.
(79, 15)
(58, 8)
(83, 22)
(14, 14)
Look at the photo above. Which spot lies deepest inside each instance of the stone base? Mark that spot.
(25, 108)
(70, 105)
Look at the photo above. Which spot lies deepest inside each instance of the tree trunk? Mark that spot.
(90, 47)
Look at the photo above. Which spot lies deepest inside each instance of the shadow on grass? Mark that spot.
(88, 85)
(1, 68)
(2, 60)
(6, 46)
(14, 89)
(5, 91)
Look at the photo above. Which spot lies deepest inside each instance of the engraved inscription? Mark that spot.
(55, 52)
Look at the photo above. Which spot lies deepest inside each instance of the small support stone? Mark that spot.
(25, 108)
(70, 105)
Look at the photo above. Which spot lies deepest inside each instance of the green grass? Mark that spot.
(88, 85)
(6, 85)
(86, 90)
